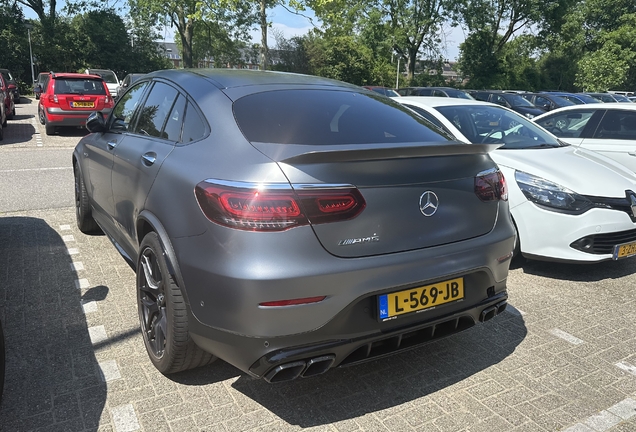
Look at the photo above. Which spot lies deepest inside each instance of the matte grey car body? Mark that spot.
(273, 220)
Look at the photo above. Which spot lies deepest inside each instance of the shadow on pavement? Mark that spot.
(586, 272)
(350, 392)
(52, 377)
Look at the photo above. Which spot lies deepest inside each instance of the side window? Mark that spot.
(617, 125)
(499, 100)
(172, 131)
(155, 110)
(123, 112)
(569, 124)
(428, 116)
(193, 126)
(439, 93)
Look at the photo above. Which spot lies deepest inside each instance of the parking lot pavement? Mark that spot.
(564, 358)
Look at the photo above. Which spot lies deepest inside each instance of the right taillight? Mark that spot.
(275, 207)
(490, 185)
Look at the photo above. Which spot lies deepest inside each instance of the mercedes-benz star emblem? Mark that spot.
(429, 203)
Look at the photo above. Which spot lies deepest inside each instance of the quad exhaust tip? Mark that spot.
(304, 368)
(491, 312)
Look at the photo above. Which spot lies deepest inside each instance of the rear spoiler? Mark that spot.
(306, 154)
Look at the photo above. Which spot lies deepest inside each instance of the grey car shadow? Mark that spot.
(351, 392)
(344, 393)
(585, 272)
(52, 376)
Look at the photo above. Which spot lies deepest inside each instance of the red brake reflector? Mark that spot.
(293, 302)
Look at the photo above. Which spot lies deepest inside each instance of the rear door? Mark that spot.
(419, 190)
(615, 137)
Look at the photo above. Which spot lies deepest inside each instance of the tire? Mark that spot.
(49, 128)
(85, 221)
(162, 313)
(517, 259)
(1, 132)
(41, 117)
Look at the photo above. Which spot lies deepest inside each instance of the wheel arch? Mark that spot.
(147, 222)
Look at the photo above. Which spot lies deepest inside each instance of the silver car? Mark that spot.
(288, 224)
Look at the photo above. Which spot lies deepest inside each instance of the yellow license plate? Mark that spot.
(624, 250)
(82, 104)
(419, 299)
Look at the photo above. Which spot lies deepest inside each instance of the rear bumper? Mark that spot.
(285, 359)
(60, 117)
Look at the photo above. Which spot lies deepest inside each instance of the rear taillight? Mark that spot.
(490, 185)
(53, 98)
(275, 208)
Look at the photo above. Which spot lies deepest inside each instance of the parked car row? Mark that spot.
(396, 218)
(567, 203)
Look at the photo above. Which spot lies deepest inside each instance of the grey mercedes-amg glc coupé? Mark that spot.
(288, 224)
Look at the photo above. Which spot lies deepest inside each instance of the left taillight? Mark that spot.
(491, 185)
(276, 208)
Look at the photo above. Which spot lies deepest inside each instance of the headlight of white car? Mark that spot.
(551, 196)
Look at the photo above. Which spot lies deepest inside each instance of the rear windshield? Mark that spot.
(81, 86)
(330, 117)
(108, 76)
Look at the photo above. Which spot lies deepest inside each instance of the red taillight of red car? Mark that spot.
(268, 208)
(491, 186)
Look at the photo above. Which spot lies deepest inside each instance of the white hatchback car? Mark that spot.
(568, 204)
(608, 128)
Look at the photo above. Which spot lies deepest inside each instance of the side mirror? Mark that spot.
(37, 89)
(96, 123)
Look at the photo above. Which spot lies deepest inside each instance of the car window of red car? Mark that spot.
(79, 86)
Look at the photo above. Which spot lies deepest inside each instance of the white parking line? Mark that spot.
(72, 251)
(627, 367)
(68, 238)
(82, 283)
(65, 227)
(77, 266)
(606, 419)
(35, 169)
(566, 336)
(97, 334)
(109, 371)
(89, 306)
(125, 418)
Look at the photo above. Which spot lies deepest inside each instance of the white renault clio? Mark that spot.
(568, 204)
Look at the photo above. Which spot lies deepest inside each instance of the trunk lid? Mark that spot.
(417, 195)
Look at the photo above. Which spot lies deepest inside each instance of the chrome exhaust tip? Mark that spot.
(285, 372)
(318, 365)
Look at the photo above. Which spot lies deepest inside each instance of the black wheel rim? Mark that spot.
(152, 303)
(77, 192)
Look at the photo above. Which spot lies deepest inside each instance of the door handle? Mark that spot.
(112, 145)
(149, 158)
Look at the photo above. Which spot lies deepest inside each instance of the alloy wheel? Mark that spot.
(152, 303)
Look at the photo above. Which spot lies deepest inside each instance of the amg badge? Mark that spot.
(347, 242)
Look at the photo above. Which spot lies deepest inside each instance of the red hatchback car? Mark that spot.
(69, 98)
